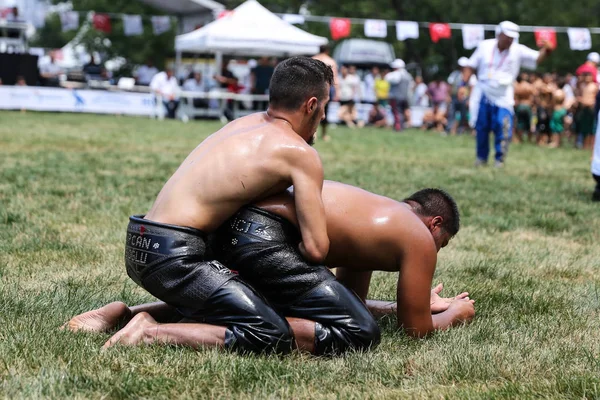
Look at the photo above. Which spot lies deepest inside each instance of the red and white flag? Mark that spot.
(407, 30)
(132, 25)
(102, 22)
(439, 31)
(161, 24)
(472, 35)
(376, 28)
(545, 35)
(340, 28)
(69, 21)
(579, 38)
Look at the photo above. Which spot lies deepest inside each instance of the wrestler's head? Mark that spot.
(439, 212)
(298, 93)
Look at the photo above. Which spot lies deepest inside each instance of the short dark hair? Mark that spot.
(325, 48)
(437, 202)
(296, 79)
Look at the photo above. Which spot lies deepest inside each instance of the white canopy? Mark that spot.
(250, 30)
(182, 7)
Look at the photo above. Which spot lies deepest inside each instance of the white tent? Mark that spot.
(250, 30)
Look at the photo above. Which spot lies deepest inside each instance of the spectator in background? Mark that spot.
(382, 88)
(439, 96)
(400, 81)
(94, 71)
(590, 66)
(558, 118)
(524, 97)
(334, 91)
(229, 82)
(165, 86)
(377, 116)
(357, 82)
(368, 88)
(260, 78)
(51, 72)
(196, 84)
(348, 91)
(461, 84)
(21, 81)
(420, 97)
(144, 74)
(348, 85)
(226, 78)
(14, 15)
(586, 118)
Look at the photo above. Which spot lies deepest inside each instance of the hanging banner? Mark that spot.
(132, 25)
(545, 35)
(579, 38)
(376, 28)
(101, 22)
(340, 28)
(472, 35)
(69, 21)
(439, 31)
(407, 30)
(161, 24)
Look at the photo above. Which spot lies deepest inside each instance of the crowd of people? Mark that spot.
(550, 109)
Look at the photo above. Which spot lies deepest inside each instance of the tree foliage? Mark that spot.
(136, 49)
(440, 56)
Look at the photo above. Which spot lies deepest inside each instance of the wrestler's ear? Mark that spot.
(436, 222)
(312, 104)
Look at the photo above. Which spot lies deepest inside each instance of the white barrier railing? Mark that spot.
(147, 104)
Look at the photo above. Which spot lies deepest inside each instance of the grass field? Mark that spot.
(527, 252)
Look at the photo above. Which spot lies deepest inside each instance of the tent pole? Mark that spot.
(177, 62)
(218, 62)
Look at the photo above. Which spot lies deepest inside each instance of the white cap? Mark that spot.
(594, 57)
(463, 62)
(397, 64)
(510, 29)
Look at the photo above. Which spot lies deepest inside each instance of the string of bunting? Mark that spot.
(132, 24)
(472, 34)
(579, 38)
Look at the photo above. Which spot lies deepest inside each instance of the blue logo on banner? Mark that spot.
(79, 102)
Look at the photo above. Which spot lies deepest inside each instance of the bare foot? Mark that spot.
(100, 320)
(133, 333)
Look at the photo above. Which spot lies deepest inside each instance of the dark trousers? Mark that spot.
(171, 107)
(596, 195)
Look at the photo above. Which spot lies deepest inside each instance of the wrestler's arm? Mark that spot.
(418, 261)
(307, 178)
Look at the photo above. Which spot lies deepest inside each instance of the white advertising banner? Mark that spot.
(71, 100)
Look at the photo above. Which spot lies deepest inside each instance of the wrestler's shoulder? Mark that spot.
(292, 146)
(408, 227)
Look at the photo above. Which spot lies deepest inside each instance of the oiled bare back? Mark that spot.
(365, 229)
(243, 162)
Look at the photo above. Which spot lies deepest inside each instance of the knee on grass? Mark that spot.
(357, 334)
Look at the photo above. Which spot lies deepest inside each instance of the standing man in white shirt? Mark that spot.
(497, 63)
(165, 85)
